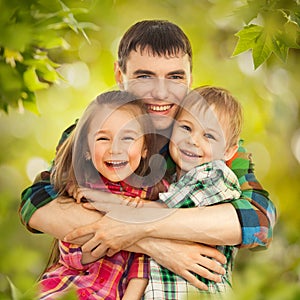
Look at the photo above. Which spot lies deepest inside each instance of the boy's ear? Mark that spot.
(230, 152)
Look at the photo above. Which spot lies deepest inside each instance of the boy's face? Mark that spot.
(197, 139)
(161, 81)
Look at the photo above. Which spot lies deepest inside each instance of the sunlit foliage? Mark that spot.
(78, 60)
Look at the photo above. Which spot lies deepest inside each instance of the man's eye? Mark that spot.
(143, 76)
(177, 77)
(209, 136)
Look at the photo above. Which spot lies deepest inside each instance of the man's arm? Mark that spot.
(184, 258)
(35, 197)
(61, 216)
(58, 218)
(256, 212)
(41, 192)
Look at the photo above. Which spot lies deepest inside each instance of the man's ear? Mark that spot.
(118, 75)
(230, 152)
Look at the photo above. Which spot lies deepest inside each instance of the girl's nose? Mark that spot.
(115, 147)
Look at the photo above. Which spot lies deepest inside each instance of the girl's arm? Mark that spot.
(135, 289)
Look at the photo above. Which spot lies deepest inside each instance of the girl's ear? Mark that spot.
(230, 152)
(144, 153)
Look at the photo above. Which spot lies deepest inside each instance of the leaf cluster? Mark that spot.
(271, 26)
(28, 31)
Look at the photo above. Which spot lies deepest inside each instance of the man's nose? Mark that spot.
(160, 90)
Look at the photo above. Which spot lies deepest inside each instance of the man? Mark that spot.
(154, 59)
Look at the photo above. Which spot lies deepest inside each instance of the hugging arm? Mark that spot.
(255, 211)
(247, 221)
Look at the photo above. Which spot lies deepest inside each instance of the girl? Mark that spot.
(109, 151)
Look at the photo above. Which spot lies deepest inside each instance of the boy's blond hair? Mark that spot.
(225, 106)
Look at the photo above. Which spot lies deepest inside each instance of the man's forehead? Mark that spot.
(149, 51)
(151, 61)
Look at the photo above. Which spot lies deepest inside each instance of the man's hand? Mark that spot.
(184, 259)
(109, 236)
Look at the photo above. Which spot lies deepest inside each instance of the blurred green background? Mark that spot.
(270, 96)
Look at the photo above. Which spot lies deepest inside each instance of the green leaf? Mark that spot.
(32, 81)
(262, 49)
(29, 102)
(247, 38)
(58, 42)
(280, 49)
(15, 293)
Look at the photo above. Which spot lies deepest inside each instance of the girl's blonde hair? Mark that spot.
(71, 163)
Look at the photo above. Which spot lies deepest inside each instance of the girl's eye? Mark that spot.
(102, 138)
(209, 136)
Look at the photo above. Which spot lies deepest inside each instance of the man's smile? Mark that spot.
(154, 108)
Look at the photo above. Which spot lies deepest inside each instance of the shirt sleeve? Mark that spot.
(41, 191)
(256, 212)
(139, 267)
(71, 255)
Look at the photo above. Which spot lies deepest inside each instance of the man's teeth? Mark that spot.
(159, 107)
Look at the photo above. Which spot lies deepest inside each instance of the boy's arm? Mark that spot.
(256, 212)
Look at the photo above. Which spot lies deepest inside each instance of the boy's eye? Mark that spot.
(128, 138)
(209, 136)
(186, 128)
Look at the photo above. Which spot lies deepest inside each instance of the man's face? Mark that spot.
(161, 81)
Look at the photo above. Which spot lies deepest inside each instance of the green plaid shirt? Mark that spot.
(204, 185)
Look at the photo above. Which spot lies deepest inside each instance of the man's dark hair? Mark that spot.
(159, 37)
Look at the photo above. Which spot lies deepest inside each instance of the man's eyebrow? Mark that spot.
(141, 71)
(147, 72)
(177, 72)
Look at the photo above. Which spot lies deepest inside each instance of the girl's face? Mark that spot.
(198, 140)
(116, 142)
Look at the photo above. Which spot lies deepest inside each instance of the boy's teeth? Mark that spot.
(159, 107)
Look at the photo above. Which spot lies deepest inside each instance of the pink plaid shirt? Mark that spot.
(106, 278)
